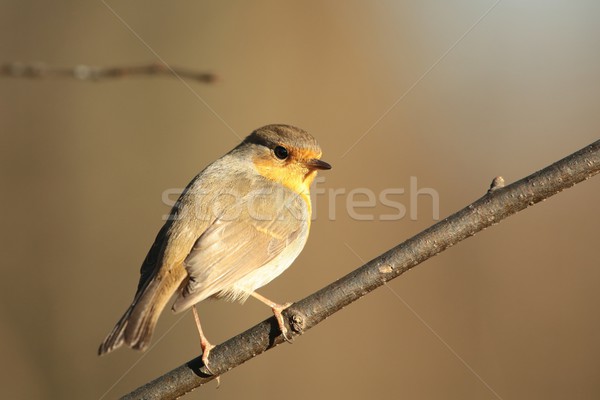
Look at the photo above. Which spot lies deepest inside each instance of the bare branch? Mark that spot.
(91, 73)
(498, 203)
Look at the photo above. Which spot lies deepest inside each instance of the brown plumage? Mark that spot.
(237, 225)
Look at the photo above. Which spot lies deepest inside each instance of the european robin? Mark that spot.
(238, 225)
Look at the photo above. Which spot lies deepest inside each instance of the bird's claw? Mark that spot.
(206, 351)
(277, 311)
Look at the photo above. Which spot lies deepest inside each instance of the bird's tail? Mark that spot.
(116, 337)
(136, 326)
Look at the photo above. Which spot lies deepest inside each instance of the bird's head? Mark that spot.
(287, 155)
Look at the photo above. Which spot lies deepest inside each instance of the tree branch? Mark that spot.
(91, 73)
(498, 203)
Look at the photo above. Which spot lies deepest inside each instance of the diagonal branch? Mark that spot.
(498, 203)
(91, 73)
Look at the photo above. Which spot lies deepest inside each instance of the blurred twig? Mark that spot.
(498, 203)
(91, 73)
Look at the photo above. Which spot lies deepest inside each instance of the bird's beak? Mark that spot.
(315, 163)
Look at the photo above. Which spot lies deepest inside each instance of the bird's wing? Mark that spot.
(164, 250)
(148, 268)
(178, 234)
(232, 247)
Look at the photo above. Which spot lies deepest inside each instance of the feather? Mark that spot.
(234, 257)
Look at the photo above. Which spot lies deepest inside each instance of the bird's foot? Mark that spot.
(206, 348)
(277, 311)
(205, 345)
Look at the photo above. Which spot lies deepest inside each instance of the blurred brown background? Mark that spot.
(84, 166)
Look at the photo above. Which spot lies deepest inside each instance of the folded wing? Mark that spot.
(234, 246)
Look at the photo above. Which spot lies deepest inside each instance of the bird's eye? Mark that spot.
(281, 152)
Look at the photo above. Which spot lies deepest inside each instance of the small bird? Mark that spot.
(237, 225)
